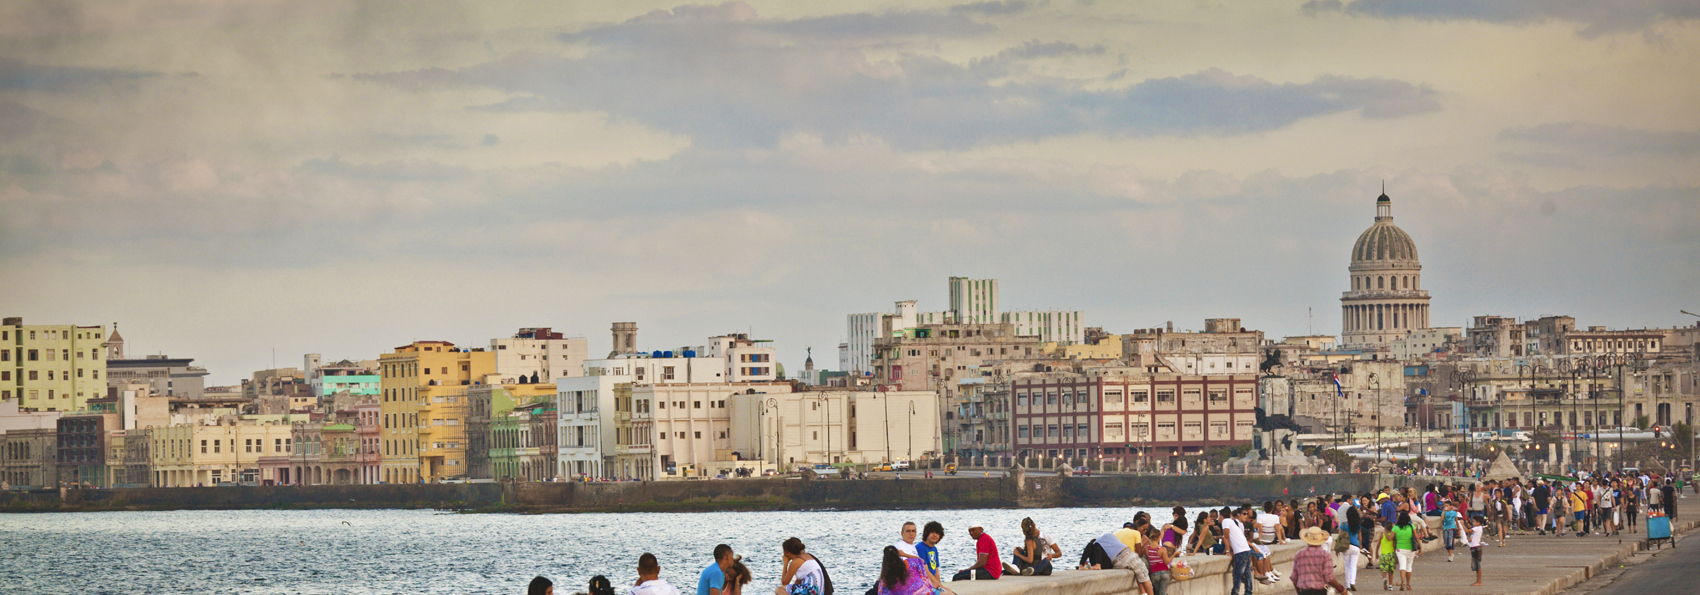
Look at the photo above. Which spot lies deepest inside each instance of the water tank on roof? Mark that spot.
(666, 354)
(656, 354)
(690, 353)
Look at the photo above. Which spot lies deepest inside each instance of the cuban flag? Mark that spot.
(1339, 391)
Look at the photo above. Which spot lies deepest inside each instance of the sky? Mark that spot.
(229, 181)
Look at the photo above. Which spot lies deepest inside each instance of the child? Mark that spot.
(1475, 544)
(1449, 529)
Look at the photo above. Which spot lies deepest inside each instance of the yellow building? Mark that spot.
(51, 367)
(1108, 348)
(424, 409)
(186, 455)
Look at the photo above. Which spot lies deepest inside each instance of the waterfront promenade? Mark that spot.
(1529, 564)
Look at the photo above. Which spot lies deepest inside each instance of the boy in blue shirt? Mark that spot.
(928, 549)
(1449, 528)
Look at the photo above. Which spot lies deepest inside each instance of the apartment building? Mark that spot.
(51, 367)
(424, 409)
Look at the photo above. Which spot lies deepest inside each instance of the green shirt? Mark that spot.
(1406, 536)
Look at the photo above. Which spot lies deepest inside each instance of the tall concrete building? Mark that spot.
(1387, 299)
(51, 367)
(540, 355)
(424, 409)
(974, 301)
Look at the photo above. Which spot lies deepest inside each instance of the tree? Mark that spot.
(1341, 461)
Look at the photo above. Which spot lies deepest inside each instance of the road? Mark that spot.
(1652, 572)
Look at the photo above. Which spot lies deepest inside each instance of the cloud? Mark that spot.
(992, 8)
(1599, 17)
(20, 76)
(1606, 139)
(729, 79)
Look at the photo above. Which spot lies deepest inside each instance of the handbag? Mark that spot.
(1341, 542)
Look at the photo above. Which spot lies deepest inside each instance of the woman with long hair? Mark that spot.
(1029, 557)
(902, 576)
(736, 577)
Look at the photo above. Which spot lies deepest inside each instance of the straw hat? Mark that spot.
(1314, 536)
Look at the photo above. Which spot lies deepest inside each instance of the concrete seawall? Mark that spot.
(1018, 491)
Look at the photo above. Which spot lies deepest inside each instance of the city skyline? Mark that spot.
(321, 179)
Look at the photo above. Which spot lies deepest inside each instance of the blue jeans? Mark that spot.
(1241, 569)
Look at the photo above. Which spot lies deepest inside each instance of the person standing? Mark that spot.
(1475, 544)
(1668, 496)
(1449, 532)
(1386, 560)
(1240, 567)
(1313, 566)
(1406, 549)
(1354, 545)
(1543, 504)
(649, 580)
(1608, 513)
(1631, 505)
(1579, 508)
(712, 580)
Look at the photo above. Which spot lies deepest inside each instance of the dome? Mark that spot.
(1384, 241)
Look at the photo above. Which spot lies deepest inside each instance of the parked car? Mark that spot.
(1082, 470)
(900, 464)
(770, 473)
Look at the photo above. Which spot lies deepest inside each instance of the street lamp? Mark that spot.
(1375, 392)
(1464, 378)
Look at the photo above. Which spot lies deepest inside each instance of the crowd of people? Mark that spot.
(1382, 530)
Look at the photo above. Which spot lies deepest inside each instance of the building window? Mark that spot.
(1022, 432)
(1051, 432)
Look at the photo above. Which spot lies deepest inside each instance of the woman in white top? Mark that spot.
(803, 574)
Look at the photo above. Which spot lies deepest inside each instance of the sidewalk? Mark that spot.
(1529, 564)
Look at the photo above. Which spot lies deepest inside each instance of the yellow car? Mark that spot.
(950, 469)
(885, 467)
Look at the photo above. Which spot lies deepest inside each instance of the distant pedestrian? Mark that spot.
(1449, 529)
(1406, 549)
(540, 586)
(649, 580)
(712, 580)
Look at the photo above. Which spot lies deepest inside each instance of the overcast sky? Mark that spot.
(226, 179)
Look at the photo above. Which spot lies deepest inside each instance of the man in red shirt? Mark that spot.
(987, 566)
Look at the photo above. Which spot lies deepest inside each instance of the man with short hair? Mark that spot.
(1543, 502)
(649, 580)
(987, 565)
(1234, 530)
(1313, 566)
(712, 581)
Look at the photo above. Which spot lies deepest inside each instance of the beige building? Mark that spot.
(788, 430)
(51, 367)
(424, 409)
(541, 353)
(28, 458)
(187, 455)
(693, 423)
(1425, 343)
(935, 357)
(1387, 297)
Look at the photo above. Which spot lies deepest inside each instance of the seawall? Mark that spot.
(1017, 491)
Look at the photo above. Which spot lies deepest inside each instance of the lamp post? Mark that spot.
(911, 453)
(778, 426)
(1375, 392)
(1464, 378)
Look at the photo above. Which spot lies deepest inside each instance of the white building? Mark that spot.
(747, 360)
(540, 351)
(974, 301)
(861, 330)
(1056, 326)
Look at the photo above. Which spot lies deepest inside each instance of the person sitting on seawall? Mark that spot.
(712, 581)
(987, 565)
(540, 586)
(1030, 557)
(803, 573)
(649, 580)
(599, 585)
(1123, 548)
(902, 575)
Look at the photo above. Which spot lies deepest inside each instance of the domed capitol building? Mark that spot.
(1387, 298)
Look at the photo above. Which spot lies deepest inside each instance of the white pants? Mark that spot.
(1352, 563)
